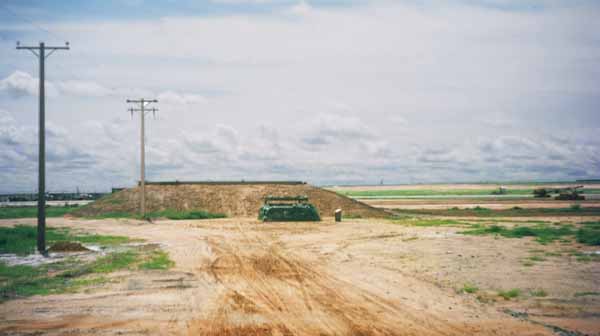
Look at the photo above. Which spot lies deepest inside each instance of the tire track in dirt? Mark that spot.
(291, 296)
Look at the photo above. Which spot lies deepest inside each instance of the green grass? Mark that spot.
(72, 274)
(587, 258)
(483, 212)
(537, 258)
(538, 293)
(111, 215)
(427, 222)
(552, 254)
(510, 294)
(469, 288)
(21, 239)
(578, 294)
(31, 212)
(589, 234)
(169, 213)
(542, 233)
(113, 262)
(21, 281)
(426, 192)
(448, 192)
(179, 215)
(159, 260)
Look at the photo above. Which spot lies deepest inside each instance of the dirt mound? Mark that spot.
(67, 246)
(234, 200)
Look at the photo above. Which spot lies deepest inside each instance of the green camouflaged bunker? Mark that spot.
(288, 209)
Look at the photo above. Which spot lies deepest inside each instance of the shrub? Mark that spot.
(469, 288)
(510, 294)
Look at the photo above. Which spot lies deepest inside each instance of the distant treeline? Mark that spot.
(28, 197)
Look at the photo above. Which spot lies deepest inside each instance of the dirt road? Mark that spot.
(241, 277)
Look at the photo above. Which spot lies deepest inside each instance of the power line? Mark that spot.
(143, 104)
(40, 52)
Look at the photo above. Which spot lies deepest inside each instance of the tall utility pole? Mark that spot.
(40, 52)
(143, 104)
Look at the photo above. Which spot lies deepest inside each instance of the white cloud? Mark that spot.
(83, 88)
(20, 84)
(171, 97)
(301, 8)
(349, 93)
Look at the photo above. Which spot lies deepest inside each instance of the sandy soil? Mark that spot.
(470, 203)
(364, 277)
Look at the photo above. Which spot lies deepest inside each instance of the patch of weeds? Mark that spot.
(115, 201)
(576, 253)
(352, 216)
(578, 294)
(537, 258)
(101, 239)
(431, 222)
(410, 239)
(435, 222)
(18, 271)
(517, 208)
(538, 293)
(22, 281)
(77, 284)
(589, 233)
(111, 215)
(31, 211)
(584, 258)
(469, 288)
(21, 239)
(531, 212)
(454, 208)
(536, 251)
(510, 294)
(113, 262)
(478, 208)
(159, 260)
(552, 254)
(528, 263)
(575, 207)
(179, 215)
(543, 233)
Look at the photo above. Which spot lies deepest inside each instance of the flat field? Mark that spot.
(465, 196)
(404, 276)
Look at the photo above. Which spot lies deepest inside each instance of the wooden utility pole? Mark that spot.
(40, 52)
(143, 104)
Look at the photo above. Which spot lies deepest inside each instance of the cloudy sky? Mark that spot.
(326, 91)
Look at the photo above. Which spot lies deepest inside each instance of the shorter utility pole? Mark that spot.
(143, 104)
(40, 52)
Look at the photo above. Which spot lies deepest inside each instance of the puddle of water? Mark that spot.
(34, 259)
(95, 251)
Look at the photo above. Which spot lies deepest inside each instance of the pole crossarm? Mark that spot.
(33, 49)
